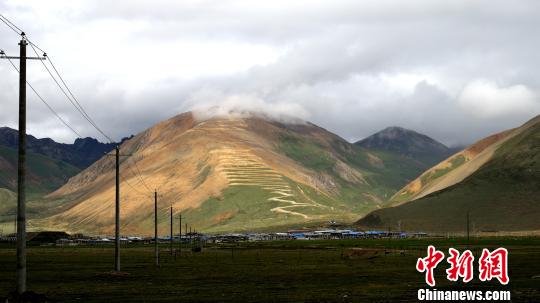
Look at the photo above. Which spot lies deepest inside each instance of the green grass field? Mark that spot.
(278, 271)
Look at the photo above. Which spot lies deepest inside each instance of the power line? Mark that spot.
(124, 180)
(140, 175)
(8, 23)
(33, 44)
(66, 90)
(73, 100)
(17, 30)
(75, 104)
(132, 187)
(69, 95)
(11, 25)
(45, 102)
(141, 180)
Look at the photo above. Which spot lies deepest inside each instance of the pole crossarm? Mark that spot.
(27, 58)
(4, 56)
(112, 155)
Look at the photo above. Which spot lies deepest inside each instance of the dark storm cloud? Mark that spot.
(455, 70)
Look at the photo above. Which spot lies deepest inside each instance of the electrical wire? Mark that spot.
(8, 23)
(45, 102)
(71, 97)
(17, 30)
(124, 180)
(139, 172)
(77, 101)
(11, 23)
(73, 102)
(68, 94)
(136, 190)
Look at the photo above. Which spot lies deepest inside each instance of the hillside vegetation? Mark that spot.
(501, 194)
(43, 173)
(230, 174)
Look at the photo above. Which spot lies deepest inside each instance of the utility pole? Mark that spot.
(180, 230)
(21, 164)
(117, 214)
(171, 230)
(117, 209)
(156, 249)
(21, 174)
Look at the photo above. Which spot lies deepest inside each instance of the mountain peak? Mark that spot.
(407, 143)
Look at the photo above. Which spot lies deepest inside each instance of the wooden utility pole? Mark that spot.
(117, 214)
(156, 249)
(21, 174)
(21, 165)
(171, 231)
(117, 156)
(190, 239)
(180, 230)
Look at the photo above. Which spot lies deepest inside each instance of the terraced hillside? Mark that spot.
(496, 180)
(226, 174)
(242, 168)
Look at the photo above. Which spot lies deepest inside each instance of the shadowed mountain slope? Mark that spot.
(496, 179)
(82, 153)
(408, 143)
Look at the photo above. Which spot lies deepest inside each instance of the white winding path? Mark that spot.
(243, 168)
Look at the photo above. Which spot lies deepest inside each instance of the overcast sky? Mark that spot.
(454, 70)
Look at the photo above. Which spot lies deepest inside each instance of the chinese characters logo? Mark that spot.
(491, 265)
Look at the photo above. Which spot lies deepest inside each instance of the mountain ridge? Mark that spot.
(426, 150)
(81, 153)
(232, 174)
(496, 181)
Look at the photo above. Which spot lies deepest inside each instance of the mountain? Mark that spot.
(496, 180)
(408, 143)
(82, 153)
(49, 166)
(226, 174)
(43, 173)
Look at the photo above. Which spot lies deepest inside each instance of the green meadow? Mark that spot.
(361, 270)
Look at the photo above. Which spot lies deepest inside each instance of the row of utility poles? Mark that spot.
(21, 276)
(117, 267)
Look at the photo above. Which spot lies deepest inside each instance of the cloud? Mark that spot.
(211, 105)
(485, 99)
(353, 67)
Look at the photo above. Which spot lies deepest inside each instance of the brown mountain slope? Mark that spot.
(226, 174)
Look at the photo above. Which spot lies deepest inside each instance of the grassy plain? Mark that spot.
(278, 271)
